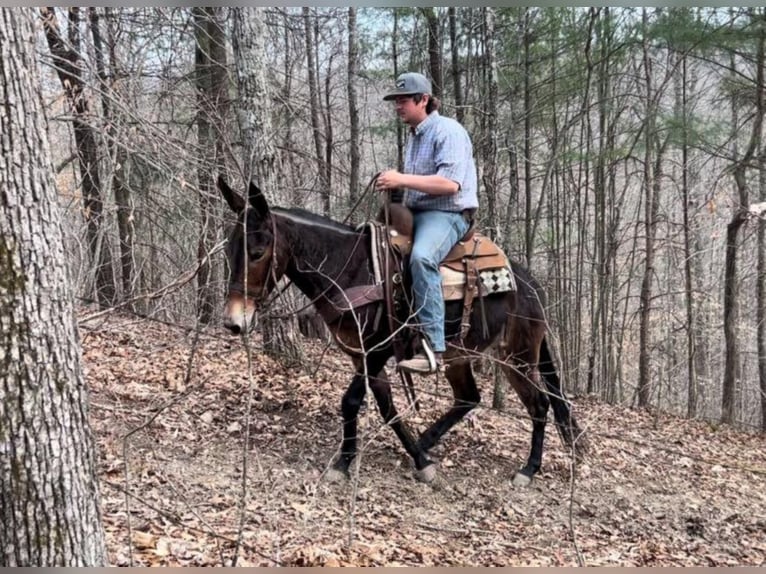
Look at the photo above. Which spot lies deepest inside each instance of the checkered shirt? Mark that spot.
(441, 146)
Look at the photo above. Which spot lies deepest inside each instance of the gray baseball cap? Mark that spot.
(408, 84)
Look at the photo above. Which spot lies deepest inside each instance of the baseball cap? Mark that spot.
(408, 84)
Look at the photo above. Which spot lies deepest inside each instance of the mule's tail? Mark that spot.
(569, 431)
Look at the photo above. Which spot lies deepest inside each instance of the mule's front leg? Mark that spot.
(381, 388)
(349, 406)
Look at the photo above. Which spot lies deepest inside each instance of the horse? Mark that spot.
(325, 259)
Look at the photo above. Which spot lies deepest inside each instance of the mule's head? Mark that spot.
(253, 255)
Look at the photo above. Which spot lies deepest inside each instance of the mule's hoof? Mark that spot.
(521, 480)
(426, 474)
(335, 476)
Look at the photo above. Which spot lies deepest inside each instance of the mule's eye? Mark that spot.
(255, 253)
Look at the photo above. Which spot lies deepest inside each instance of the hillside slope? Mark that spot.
(652, 492)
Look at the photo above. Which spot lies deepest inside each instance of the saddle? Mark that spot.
(474, 267)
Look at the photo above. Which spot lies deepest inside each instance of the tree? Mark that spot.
(212, 99)
(68, 64)
(49, 499)
(353, 105)
(261, 162)
(312, 67)
(740, 216)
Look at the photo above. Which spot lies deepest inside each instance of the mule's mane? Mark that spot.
(306, 217)
(325, 250)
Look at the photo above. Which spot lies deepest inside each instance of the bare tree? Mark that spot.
(69, 66)
(741, 215)
(212, 101)
(434, 50)
(456, 67)
(353, 105)
(49, 498)
(311, 59)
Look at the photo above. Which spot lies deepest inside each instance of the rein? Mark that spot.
(281, 291)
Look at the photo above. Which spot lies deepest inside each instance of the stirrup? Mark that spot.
(425, 363)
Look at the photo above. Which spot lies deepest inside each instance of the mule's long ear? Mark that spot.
(235, 200)
(258, 201)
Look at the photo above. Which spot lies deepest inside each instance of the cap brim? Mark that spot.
(394, 95)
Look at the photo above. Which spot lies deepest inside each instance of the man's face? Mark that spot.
(410, 112)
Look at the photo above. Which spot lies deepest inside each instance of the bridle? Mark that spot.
(243, 289)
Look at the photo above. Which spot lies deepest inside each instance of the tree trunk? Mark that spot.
(457, 96)
(434, 51)
(730, 301)
(212, 83)
(116, 151)
(261, 162)
(49, 498)
(645, 306)
(761, 290)
(490, 134)
(316, 132)
(395, 59)
(691, 329)
(69, 67)
(529, 240)
(353, 107)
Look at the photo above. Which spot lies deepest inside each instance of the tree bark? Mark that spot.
(434, 51)
(49, 498)
(212, 99)
(68, 64)
(455, 56)
(261, 162)
(731, 303)
(324, 190)
(353, 107)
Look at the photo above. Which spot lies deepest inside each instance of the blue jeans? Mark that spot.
(436, 232)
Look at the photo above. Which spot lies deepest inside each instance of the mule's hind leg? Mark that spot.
(524, 377)
(460, 377)
(570, 432)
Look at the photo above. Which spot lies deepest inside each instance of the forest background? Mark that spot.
(619, 154)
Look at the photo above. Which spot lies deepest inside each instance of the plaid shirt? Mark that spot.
(441, 146)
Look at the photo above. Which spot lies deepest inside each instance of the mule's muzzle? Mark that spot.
(239, 314)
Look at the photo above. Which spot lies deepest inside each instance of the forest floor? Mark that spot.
(654, 490)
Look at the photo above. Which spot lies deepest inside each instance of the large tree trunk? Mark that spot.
(261, 160)
(49, 499)
(68, 64)
(212, 99)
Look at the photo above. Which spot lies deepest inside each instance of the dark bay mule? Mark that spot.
(324, 259)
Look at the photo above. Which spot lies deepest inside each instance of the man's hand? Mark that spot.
(388, 180)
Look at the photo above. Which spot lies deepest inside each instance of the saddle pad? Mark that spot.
(498, 280)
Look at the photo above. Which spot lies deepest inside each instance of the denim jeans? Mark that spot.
(436, 232)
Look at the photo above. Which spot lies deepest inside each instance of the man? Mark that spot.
(440, 187)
